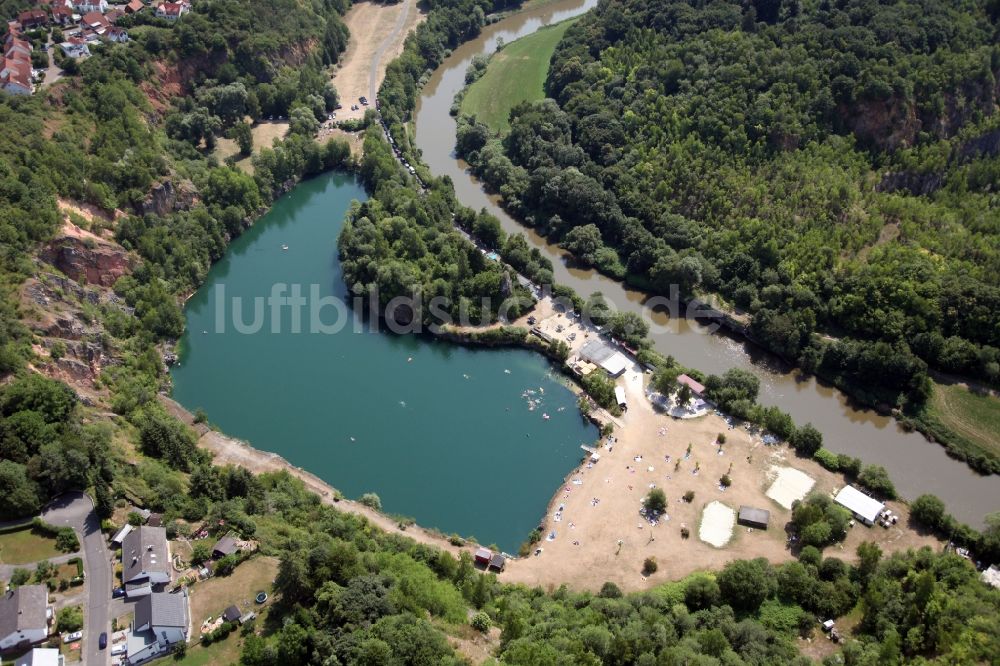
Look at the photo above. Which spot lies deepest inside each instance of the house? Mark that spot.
(161, 622)
(134, 6)
(41, 657)
(231, 614)
(171, 10)
(23, 620)
(95, 21)
(497, 562)
(116, 34)
(606, 357)
(62, 15)
(145, 560)
(697, 388)
(87, 6)
(114, 14)
(224, 546)
(483, 556)
(33, 18)
(75, 47)
(866, 509)
(753, 517)
(15, 65)
(992, 576)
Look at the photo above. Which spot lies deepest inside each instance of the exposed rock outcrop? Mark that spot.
(88, 261)
(166, 198)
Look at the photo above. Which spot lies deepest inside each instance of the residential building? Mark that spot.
(161, 623)
(87, 6)
(15, 65)
(145, 560)
(866, 509)
(41, 657)
(23, 619)
(172, 10)
(33, 18)
(75, 47)
(224, 546)
(62, 15)
(134, 6)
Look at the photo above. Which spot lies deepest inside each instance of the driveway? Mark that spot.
(76, 510)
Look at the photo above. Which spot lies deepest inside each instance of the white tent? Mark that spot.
(620, 396)
(867, 509)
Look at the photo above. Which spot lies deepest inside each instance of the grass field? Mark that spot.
(211, 597)
(975, 417)
(222, 653)
(25, 547)
(516, 74)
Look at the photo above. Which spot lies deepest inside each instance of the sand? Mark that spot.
(717, 522)
(377, 36)
(790, 485)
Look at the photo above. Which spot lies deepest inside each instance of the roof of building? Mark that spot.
(226, 545)
(144, 549)
(754, 515)
(94, 19)
(620, 395)
(32, 14)
(484, 554)
(155, 520)
(693, 384)
(992, 576)
(134, 6)
(859, 504)
(171, 8)
(498, 561)
(23, 608)
(122, 533)
(596, 351)
(231, 614)
(161, 609)
(40, 657)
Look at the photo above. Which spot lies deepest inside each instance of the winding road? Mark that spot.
(76, 510)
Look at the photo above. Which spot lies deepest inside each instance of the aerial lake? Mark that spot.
(442, 433)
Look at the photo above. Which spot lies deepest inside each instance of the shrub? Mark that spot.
(481, 622)
(69, 619)
(929, 511)
(685, 533)
(875, 478)
(372, 501)
(655, 502)
(610, 591)
(689, 496)
(725, 481)
(649, 566)
(66, 540)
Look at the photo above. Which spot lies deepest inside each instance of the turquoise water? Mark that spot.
(441, 433)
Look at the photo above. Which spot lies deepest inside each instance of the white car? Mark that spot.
(75, 636)
(119, 649)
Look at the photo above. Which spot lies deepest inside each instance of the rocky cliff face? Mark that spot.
(166, 198)
(922, 184)
(88, 260)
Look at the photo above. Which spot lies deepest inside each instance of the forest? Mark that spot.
(828, 168)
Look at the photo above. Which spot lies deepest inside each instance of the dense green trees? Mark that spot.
(697, 145)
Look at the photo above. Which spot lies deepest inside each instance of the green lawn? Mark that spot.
(976, 417)
(25, 547)
(516, 74)
(223, 653)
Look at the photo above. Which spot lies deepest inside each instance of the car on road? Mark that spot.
(118, 593)
(102, 642)
(75, 636)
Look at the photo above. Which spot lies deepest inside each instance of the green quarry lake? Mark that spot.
(442, 433)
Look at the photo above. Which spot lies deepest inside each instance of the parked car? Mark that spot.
(118, 593)
(102, 642)
(75, 636)
(121, 648)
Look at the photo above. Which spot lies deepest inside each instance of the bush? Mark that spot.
(66, 540)
(807, 440)
(689, 496)
(372, 501)
(929, 511)
(876, 479)
(481, 622)
(649, 566)
(610, 591)
(685, 533)
(725, 481)
(69, 619)
(701, 592)
(655, 502)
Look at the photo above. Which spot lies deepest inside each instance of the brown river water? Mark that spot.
(916, 465)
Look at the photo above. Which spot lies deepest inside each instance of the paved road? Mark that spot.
(7, 570)
(76, 509)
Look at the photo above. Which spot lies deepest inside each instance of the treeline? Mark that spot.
(702, 146)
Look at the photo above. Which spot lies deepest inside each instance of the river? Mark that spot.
(916, 465)
(440, 432)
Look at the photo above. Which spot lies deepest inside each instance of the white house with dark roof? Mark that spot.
(161, 623)
(41, 657)
(23, 620)
(145, 560)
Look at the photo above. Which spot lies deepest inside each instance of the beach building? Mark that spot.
(145, 560)
(23, 620)
(484, 556)
(620, 397)
(497, 562)
(866, 509)
(753, 517)
(605, 357)
(696, 387)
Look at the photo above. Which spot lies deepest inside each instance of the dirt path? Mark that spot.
(377, 36)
